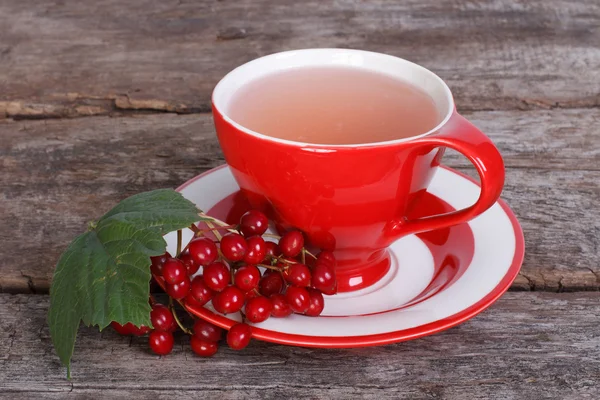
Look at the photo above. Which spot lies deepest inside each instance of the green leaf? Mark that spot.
(104, 275)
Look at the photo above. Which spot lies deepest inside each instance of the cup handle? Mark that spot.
(461, 135)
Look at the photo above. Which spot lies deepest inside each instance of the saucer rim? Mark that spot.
(387, 337)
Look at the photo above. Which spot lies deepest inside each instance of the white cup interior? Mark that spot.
(395, 67)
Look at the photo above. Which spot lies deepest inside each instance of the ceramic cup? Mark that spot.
(353, 198)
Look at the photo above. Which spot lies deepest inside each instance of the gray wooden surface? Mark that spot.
(69, 58)
(60, 174)
(527, 346)
(91, 97)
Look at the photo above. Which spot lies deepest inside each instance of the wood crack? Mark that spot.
(79, 106)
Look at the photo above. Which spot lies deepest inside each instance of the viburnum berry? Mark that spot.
(138, 330)
(174, 271)
(271, 283)
(190, 301)
(158, 262)
(203, 251)
(188, 261)
(317, 303)
(253, 223)
(297, 275)
(235, 282)
(203, 347)
(298, 298)
(129, 329)
(271, 251)
(207, 331)
(121, 329)
(239, 336)
(229, 300)
(233, 246)
(323, 277)
(162, 319)
(326, 257)
(291, 243)
(179, 290)
(200, 291)
(256, 250)
(258, 309)
(161, 342)
(330, 291)
(216, 276)
(281, 308)
(247, 277)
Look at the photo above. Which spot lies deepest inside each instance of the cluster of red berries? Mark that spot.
(293, 281)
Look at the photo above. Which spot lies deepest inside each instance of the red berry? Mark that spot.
(323, 277)
(297, 275)
(330, 291)
(207, 331)
(256, 250)
(190, 301)
(327, 257)
(162, 318)
(179, 290)
(190, 264)
(130, 329)
(258, 309)
(253, 223)
(317, 303)
(271, 250)
(200, 290)
(203, 251)
(239, 336)
(121, 329)
(280, 228)
(203, 347)
(291, 243)
(158, 262)
(247, 277)
(251, 294)
(138, 331)
(230, 300)
(298, 298)
(271, 283)
(234, 246)
(174, 271)
(216, 276)
(281, 307)
(161, 342)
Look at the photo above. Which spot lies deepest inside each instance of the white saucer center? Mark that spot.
(410, 273)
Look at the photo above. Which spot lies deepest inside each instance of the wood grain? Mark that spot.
(527, 345)
(67, 59)
(59, 174)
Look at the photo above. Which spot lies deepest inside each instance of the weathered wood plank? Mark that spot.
(100, 57)
(59, 174)
(528, 345)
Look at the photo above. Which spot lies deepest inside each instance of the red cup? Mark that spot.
(354, 198)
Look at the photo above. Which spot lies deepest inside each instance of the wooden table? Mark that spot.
(103, 99)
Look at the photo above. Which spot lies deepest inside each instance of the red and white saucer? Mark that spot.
(438, 279)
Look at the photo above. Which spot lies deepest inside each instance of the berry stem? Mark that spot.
(207, 219)
(179, 240)
(270, 235)
(228, 227)
(215, 231)
(274, 268)
(283, 260)
(309, 253)
(172, 308)
(303, 256)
